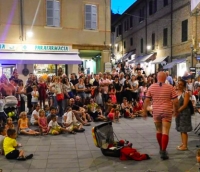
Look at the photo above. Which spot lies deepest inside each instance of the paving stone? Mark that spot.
(38, 164)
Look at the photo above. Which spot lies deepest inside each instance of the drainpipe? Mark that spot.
(21, 20)
(171, 30)
(146, 3)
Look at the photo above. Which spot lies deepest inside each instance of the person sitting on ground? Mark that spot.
(127, 109)
(91, 109)
(10, 145)
(35, 115)
(79, 112)
(9, 124)
(47, 110)
(2, 136)
(78, 101)
(108, 106)
(100, 116)
(23, 125)
(70, 122)
(114, 114)
(54, 128)
(42, 122)
(137, 108)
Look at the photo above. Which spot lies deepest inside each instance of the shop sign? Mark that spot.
(33, 48)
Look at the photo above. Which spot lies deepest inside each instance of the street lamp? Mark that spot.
(29, 34)
(148, 47)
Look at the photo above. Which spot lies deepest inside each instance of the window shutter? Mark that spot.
(88, 16)
(94, 17)
(49, 12)
(56, 19)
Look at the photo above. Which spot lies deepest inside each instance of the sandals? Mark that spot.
(72, 132)
(181, 148)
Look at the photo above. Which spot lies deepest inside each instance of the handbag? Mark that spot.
(59, 97)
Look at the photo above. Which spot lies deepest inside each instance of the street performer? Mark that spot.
(165, 103)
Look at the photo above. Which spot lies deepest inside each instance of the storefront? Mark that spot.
(40, 59)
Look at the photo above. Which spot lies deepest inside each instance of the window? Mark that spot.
(125, 26)
(141, 18)
(152, 6)
(153, 40)
(90, 17)
(117, 31)
(184, 30)
(165, 3)
(131, 41)
(120, 29)
(53, 13)
(141, 45)
(124, 44)
(165, 36)
(131, 21)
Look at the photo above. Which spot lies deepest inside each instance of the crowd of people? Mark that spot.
(82, 98)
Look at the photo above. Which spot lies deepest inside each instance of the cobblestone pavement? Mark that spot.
(77, 153)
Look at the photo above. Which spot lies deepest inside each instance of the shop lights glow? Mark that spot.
(29, 34)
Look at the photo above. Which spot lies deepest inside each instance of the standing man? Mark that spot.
(164, 100)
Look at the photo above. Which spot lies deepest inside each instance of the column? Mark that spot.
(72, 69)
(105, 57)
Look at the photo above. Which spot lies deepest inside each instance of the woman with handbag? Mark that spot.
(59, 95)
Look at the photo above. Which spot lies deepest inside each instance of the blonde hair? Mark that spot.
(41, 111)
(9, 119)
(22, 113)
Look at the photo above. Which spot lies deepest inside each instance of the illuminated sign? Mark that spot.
(33, 48)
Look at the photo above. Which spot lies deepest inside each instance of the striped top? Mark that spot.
(161, 98)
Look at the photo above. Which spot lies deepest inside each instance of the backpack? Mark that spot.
(191, 107)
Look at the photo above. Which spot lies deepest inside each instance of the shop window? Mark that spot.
(141, 45)
(141, 14)
(53, 13)
(184, 30)
(165, 3)
(131, 21)
(124, 44)
(90, 17)
(165, 36)
(152, 6)
(153, 41)
(131, 41)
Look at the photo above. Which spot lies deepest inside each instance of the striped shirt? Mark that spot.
(162, 98)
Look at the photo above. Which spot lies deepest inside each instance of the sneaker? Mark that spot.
(163, 155)
(20, 158)
(29, 156)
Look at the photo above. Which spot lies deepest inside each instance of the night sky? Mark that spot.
(119, 6)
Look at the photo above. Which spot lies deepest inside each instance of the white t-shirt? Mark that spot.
(53, 125)
(193, 98)
(35, 95)
(32, 116)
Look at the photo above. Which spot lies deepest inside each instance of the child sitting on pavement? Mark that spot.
(54, 128)
(2, 136)
(10, 145)
(23, 125)
(9, 124)
(42, 122)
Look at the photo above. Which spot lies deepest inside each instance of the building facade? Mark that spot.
(62, 32)
(161, 34)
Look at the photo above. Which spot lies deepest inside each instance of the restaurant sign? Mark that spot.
(33, 48)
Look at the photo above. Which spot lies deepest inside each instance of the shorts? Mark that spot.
(25, 129)
(55, 130)
(162, 118)
(13, 154)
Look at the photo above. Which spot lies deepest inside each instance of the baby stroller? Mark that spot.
(103, 137)
(10, 107)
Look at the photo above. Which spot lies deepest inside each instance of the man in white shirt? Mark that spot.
(192, 98)
(121, 78)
